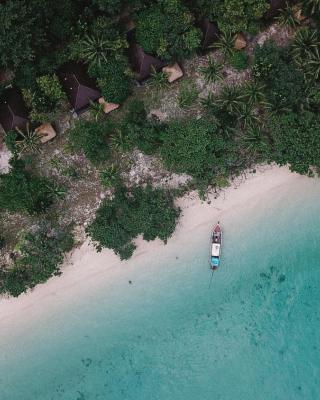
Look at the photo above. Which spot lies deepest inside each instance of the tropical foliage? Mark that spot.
(212, 72)
(296, 140)
(40, 254)
(147, 212)
(166, 30)
(23, 191)
(196, 147)
(231, 15)
(92, 138)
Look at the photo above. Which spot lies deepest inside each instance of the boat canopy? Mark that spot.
(215, 251)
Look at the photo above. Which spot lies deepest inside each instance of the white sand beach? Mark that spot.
(85, 269)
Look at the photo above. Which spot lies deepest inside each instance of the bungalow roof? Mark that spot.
(13, 110)
(142, 62)
(210, 32)
(274, 9)
(79, 87)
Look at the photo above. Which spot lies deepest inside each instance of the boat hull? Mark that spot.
(216, 242)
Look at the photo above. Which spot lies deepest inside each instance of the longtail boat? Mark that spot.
(216, 242)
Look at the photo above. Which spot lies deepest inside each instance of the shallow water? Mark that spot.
(253, 334)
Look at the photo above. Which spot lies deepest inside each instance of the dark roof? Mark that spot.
(210, 32)
(79, 87)
(13, 110)
(274, 9)
(142, 62)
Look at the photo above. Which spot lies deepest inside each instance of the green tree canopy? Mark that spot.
(196, 147)
(230, 15)
(285, 84)
(22, 191)
(296, 140)
(146, 211)
(91, 137)
(166, 29)
(40, 256)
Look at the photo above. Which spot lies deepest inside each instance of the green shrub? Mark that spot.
(110, 176)
(212, 72)
(22, 191)
(166, 30)
(113, 79)
(195, 147)
(91, 137)
(137, 131)
(231, 15)
(239, 60)
(285, 84)
(45, 99)
(296, 140)
(188, 94)
(40, 256)
(146, 211)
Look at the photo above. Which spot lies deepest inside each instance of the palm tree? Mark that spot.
(254, 93)
(30, 141)
(288, 17)
(209, 101)
(247, 116)
(212, 72)
(158, 79)
(120, 141)
(313, 6)
(94, 49)
(312, 64)
(305, 40)
(109, 176)
(254, 140)
(56, 191)
(230, 99)
(226, 44)
(96, 110)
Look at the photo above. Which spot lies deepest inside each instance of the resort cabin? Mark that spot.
(13, 110)
(81, 90)
(274, 9)
(143, 63)
(210, 32)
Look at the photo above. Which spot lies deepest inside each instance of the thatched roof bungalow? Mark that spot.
(79, 87)
(13, 110)
(274, 9)
(142, 62)
(210, 32)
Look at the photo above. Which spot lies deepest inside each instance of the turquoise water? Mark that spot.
(253, 334)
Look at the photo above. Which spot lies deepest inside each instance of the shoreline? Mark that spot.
(85, 270)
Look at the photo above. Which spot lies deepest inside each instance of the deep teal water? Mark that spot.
(253, 335)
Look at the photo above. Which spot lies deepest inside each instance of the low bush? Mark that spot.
(22, 191)
(239, 60)
(285, 84)
(44, 99)
(138, 130)
(196, 147)
(296, 140)
(146, 211)
(166, 30)
(91, 138)
(40, 256)
(188, 94)
(113, 79)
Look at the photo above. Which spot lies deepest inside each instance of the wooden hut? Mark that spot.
(274, 9)
(79, 87)
(142, 62)
(13, 110)
(210, 32)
